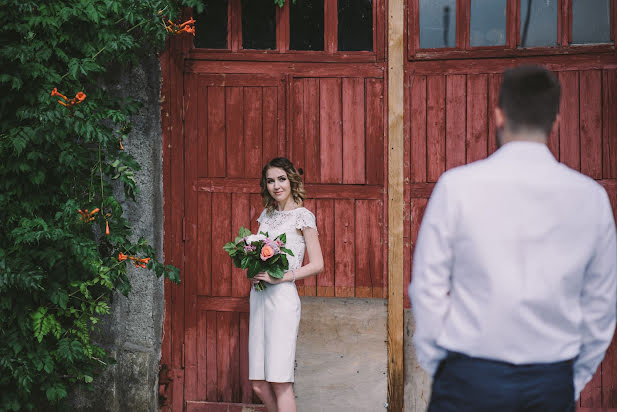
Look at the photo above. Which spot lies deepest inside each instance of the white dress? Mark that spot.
(275, 311)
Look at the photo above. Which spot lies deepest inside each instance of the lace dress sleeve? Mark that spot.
(304, 219)
(261, 217)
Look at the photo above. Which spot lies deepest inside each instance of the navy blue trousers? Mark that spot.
(463, 383)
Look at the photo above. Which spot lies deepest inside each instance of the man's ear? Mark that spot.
(556, 122)
(500, 118)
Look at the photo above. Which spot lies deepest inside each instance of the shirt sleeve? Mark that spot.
(431, 275)
(261, 217)
(598, 301)
(305, 218)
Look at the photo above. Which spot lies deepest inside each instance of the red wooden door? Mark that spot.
(233, 125)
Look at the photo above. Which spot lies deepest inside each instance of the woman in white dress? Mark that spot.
(275, 311)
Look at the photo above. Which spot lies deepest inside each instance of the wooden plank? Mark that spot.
(240, 285)
(609, 118)
(418, 129)
(202, 356)
(396, 179)
(223, 303)
(234, 127)
(325, 223)
(344, 265)
(211, 356)
(270, 141)
(247, 390)
(221, 234)
(379, 30)
(223, 356)
(364, 284)
(234, 348)
(238, 80)
(193, 406)
(456, 102)
(569, 141)
(330, 130)
(204, 244)
(309, 285)
(435, 127)
(253, 108)
(256, 208)
(354, 150)
(202, 127)
(494, 84)
(297, 123)
(591, 123)
(312, 163)
(374, 132)
(331, 26)
(591, 395)
(377, 247)
(216, 132)
(274, 56)
(476, 139)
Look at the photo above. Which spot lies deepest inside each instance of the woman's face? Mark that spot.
(278, 184)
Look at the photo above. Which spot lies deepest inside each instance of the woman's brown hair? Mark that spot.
(295, 180)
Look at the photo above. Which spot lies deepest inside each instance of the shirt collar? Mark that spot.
(526, 151)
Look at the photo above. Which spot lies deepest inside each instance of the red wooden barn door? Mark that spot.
(233, 125)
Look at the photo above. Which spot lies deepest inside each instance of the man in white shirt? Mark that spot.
(514, 281)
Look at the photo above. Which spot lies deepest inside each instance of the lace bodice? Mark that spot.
(290, 222)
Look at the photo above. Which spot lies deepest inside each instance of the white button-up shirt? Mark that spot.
(516, 261)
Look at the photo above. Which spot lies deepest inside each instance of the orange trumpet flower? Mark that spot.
(122, 257)
(107, 228)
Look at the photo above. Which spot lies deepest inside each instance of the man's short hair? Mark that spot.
(529, 98)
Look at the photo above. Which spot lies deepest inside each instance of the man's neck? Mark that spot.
(526, 136)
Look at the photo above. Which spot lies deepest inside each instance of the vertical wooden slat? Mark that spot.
(591, 395)
(256, 207)
(609, 363)
(270, 126)
(325, 224)
(309, 285)
(331, 25)
(609, 110)
(553, 137)
(417, 207)
(223, 356)
(297, 122)
(569, 142)
(282, 28)
(330, 130)
(312, 164)
(455, 120)
(247, 390)
(364, 284)
(234, 127)
(216, 132)
(379, 30)
(221, 234)
(234, 361)
(344, 282)
(376, 251)
(477, 99)
(354, 150)
(374, 132)
(435, 127)
(202, 127)
(418, 129)
(204, 240)
(202, 356)
(253, 107)
(235, 18)
(396, 180)
(211, 356)
(494, 83)
(240, 285)
(591, 123)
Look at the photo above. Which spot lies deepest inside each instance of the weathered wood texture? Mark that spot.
(451, 123)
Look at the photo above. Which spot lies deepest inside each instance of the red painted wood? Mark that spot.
(192, 406)
(494, 83)
(223, 303)
(377, 249)
(253, 112)
(223, 355)
(270, 140)
(325, 224)
(344, 245)
(591, 123)
(245, 384)
(379, 29)
(330, 131)
(234, 129)
(569, 141)
(204, 247)
(591, 395)
(297, 123)
(282, 28)
(456, 102)
(477, 123)
(364, 281)
(609, 119)
(240, 285)
(235, 27)
(308, 69)
(216, 132)
(202, 356)
(374, 132)
(234, 348)
(330, 26)
(287, 56)
(354, 150)
(202, 127)
(211, 353)
(221, 234)
(418, 129)
(309, 285)
(312, 162)
(417, 207)
(435, 127)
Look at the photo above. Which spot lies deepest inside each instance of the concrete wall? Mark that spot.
(341, 355)
(132, 333)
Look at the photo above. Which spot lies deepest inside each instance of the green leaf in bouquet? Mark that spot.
(244, 232)
(282, 237)
(246, 261)
(276, 272)
(284, 261)
(289, 252)
(230, 248)
(254, 268)
(265, 234)
(237, 261)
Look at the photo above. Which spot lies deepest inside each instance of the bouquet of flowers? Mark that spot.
(259, 253)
